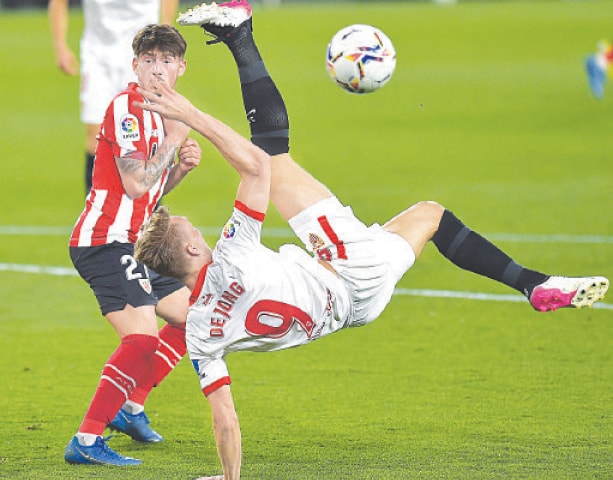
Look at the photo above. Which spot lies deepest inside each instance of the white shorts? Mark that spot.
(370, 260)
(103, 75)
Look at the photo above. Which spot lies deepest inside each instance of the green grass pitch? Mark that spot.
(488, 113)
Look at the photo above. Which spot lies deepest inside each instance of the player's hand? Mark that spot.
(189, 156)
(166, 101)
(67, 61)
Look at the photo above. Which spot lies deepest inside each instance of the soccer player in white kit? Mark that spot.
(248, 297)
(105, 54)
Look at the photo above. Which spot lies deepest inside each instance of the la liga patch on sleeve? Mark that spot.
(129, 128)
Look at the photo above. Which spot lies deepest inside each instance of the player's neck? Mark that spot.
(191, 278)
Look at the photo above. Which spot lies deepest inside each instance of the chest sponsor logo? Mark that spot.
(129, 128)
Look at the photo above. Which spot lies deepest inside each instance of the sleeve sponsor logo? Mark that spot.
(129, 128)
(229, 230)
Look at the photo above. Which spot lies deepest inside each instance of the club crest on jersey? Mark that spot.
(129, 127)
(145, 285)
(316, 241)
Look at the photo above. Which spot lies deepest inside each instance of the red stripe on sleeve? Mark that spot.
(252, 213)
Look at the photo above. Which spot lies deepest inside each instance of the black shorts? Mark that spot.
(117, 279)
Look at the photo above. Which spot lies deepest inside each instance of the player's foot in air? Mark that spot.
(561, 292)
(221, 20)
(97, 454)
(136, 426)
(596, 75)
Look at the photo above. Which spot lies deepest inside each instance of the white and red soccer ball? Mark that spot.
(360, 58)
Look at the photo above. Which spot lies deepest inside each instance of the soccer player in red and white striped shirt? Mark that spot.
(135, 165)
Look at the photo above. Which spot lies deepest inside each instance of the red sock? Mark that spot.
(171, 350)
(129, 366)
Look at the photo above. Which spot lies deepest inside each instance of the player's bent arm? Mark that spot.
(251, 162)
(138, 176)
(189, 158)
(227, 431)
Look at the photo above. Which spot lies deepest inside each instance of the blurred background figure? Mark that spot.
(105, 54)
(597, 67)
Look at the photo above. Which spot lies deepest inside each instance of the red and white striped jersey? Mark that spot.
(110, 215)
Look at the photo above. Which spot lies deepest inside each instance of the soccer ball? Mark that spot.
(360, 58)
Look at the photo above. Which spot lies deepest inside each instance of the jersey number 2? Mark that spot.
(131, 266)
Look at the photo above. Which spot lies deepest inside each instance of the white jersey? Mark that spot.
(106, 50)
(113, 23)
(252, 298)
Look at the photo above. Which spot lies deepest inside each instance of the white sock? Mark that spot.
(133, 408)
(86, 439)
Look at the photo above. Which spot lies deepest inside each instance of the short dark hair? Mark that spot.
(164, 38)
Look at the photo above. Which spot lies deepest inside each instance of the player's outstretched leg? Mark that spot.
(562, 292)
(292, 188)
(467, 249)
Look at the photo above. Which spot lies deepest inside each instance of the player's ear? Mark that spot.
(134, 64)
(191, 249)
(182, 67)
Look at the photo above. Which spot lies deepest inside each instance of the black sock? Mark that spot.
(264, 105)
(242, 45)
(267, 115)
(89, 167)
(471, 251)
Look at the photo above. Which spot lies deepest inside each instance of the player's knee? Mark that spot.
(142, 346)
(417, 223)
(429, 213)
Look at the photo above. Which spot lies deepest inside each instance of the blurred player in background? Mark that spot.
(246, 297)
(135, 165)
(597, 67)
(105, 67)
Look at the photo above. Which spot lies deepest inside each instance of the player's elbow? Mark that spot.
(135, 190)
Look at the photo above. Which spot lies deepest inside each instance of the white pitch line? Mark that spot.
(38, 269)
(415, 292)
(288, 233)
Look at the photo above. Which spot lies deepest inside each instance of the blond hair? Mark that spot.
(159, 246)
